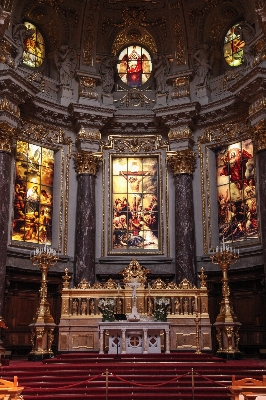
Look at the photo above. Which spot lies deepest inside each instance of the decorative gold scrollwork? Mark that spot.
(182, 162)
(87, 162)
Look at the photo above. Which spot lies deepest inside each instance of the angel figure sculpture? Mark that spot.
(203, 59)
(108, 69)
(20, 35)
(66, 62)
(160, 69)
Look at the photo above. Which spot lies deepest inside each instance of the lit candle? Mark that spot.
(217, 249)
(223, 244)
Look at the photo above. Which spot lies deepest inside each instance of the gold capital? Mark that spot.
(182, 161)
(6, 137)
(87, 162)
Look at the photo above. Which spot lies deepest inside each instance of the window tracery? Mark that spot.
(34, 48)
(33, 194)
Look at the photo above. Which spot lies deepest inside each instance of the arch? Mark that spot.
(134, 35)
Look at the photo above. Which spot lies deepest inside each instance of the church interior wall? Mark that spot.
(176, 30)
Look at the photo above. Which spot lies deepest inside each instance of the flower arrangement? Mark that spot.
(106, 307)
(161, 308)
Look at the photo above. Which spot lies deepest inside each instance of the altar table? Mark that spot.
(134, 337)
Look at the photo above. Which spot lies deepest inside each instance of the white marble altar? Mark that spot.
(134, 337)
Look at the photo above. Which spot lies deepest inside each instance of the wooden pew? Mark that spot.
(247, 388)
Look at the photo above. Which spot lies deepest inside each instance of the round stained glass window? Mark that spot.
(233, 47)
(34, 52)
(134, 66)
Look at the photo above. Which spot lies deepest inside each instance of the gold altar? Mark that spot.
(187, 311)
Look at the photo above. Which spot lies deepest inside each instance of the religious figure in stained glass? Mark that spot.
(33, 194)
(237, 48)
(34, 47)
(237, 205)
(135, 66)
(135, 222)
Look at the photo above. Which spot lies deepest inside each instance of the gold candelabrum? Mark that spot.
(227, 325)
(43, 325)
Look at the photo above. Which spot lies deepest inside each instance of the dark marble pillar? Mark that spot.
(6, 136)
(86, 166)
(183, 164)
(261, 172)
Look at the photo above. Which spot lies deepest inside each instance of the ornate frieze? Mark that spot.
(7, 134)
(135, 144)
(87, 162)
(182, 162)
(181, 87)
(258, 105)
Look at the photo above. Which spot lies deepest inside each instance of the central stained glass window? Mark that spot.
(134, 67)
(135, 204)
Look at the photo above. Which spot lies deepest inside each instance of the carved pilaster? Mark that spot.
(87, 162)
(6, 137)
(182, 162)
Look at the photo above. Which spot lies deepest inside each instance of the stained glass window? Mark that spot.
(233, 47)
(237, 204)
(134, 67)
(33, 194)
(34, 52)
(135, 204)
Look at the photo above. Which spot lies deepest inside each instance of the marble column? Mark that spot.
(183, 164)
(6, 140)
(86, 164)
(259, 138)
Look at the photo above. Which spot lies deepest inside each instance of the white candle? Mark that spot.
(223, 244)
(118, 287)
(196, 303)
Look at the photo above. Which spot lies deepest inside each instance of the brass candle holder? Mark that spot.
(226, 324)
(43, 325)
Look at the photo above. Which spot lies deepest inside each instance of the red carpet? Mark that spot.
(83, 376)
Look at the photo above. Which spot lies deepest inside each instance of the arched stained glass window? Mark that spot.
(34, 53)
(236, 191)
(134, 67)
(233, 47)
(33, 194)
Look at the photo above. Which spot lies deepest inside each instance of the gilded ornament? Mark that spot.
(7, 135)
(87, 88)
(88, 134)
(180, 133)
(110, 284)
(84, 284)
(7, 105)
(202, 278)
(135, 144)
(181, 87)
(135, 271)
(134, 98)
(180, 40)
(182, 162)
(185, 284)
(123, 39)
(66, 278)
(87, 162)
(258, 135)
(159, 284)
